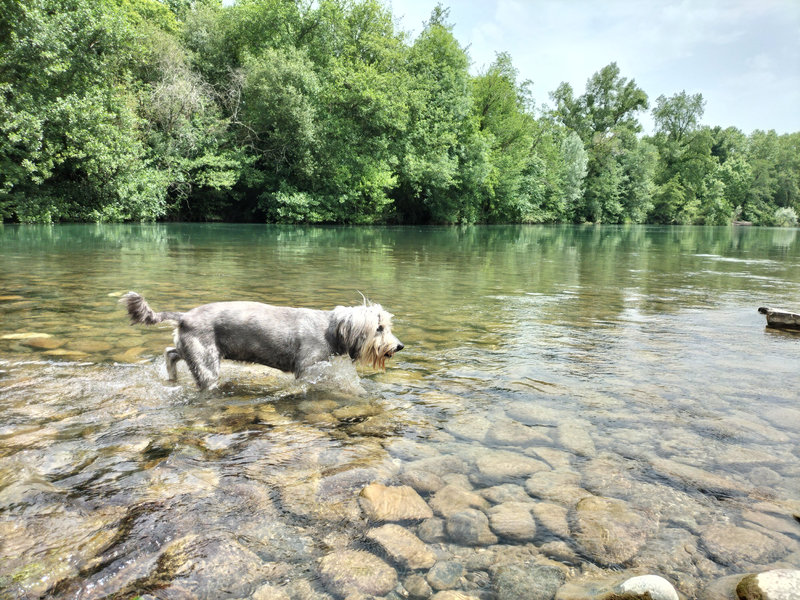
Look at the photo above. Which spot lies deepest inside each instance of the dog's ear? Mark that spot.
(352, 337)
(347, 336)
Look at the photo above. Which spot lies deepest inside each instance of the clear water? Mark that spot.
(629, 361)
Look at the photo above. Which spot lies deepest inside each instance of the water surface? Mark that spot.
(629, 363)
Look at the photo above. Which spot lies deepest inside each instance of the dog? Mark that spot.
(281, 337)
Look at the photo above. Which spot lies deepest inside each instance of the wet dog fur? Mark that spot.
(281, 337)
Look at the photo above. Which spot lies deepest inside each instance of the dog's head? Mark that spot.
(365, 332)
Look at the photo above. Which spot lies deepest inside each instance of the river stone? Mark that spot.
(557, 486)
(25, 336)
(778, 584)
(658, 587)
(198, 567)
(534, 414)
(439, 465)
(471, 528)
(513, 520)
(270, 592)
(529, 581)
(393, 503)
(356, 571)
(512, 433)
(417, 587)
(608, 530)
(445, 575)
(422, 481)
(431, 530)
(576, 439)
(498, 466)
(453, 595)
(402, 546)
(507, 492)
(470, 427)
(42, 343)
(552, 517)
(697, 477)
(732, 545)
(452, 499)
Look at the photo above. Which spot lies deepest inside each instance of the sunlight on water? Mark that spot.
(596, 401)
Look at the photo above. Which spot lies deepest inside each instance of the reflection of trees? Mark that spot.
(450, 287)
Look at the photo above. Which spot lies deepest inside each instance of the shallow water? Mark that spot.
(542, 364)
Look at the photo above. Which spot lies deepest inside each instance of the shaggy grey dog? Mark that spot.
(289, 339)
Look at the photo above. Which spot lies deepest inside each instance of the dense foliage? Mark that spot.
(291, 111)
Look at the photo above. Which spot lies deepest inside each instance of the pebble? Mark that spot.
(658, 587)
(471, 528)
(528, 581)
(507, 492)
(608, 530)
(513, 520)
(417, 587)
(402, 546)
(422, 481)
(557, 486)
(431, 530)
(576, 439)
(453, 595)
(737, 546)
(42, 343)
(512, 433)
(393, 503)
(445, 575)
(452, 499)
(352, 571)
(499, 466)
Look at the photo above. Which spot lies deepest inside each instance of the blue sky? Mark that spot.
(742, 55)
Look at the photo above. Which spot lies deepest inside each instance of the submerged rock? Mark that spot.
(529, 581)
(507, 492)
(199, 567)
(732, 545)
(779, 584)
(471, 528)
(445, 575)
(417, 587)
(608, 530)
(422, 481)
(574, 437)
(356, 571)
(393, 503)
(513, 520)
(499, 466)
(403, 546)
(557, 486)
(452, 499)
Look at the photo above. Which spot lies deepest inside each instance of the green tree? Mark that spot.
(605, 118)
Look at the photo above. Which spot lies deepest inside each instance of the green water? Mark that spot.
(629, 362)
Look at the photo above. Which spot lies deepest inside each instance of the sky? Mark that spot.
(743, 56)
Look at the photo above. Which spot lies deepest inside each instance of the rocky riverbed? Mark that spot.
(320, 491)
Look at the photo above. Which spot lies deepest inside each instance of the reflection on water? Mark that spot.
(556, 381)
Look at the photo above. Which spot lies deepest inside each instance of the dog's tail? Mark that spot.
(140, 311)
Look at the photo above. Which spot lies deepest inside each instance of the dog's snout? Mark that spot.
(400, 346)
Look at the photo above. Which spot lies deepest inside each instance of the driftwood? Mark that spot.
(782, 319)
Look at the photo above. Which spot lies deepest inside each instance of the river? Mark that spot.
(599, 401)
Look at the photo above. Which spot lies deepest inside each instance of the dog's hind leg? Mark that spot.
(172, 357)
(203, 362)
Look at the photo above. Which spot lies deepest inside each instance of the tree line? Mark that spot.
(326, 112)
